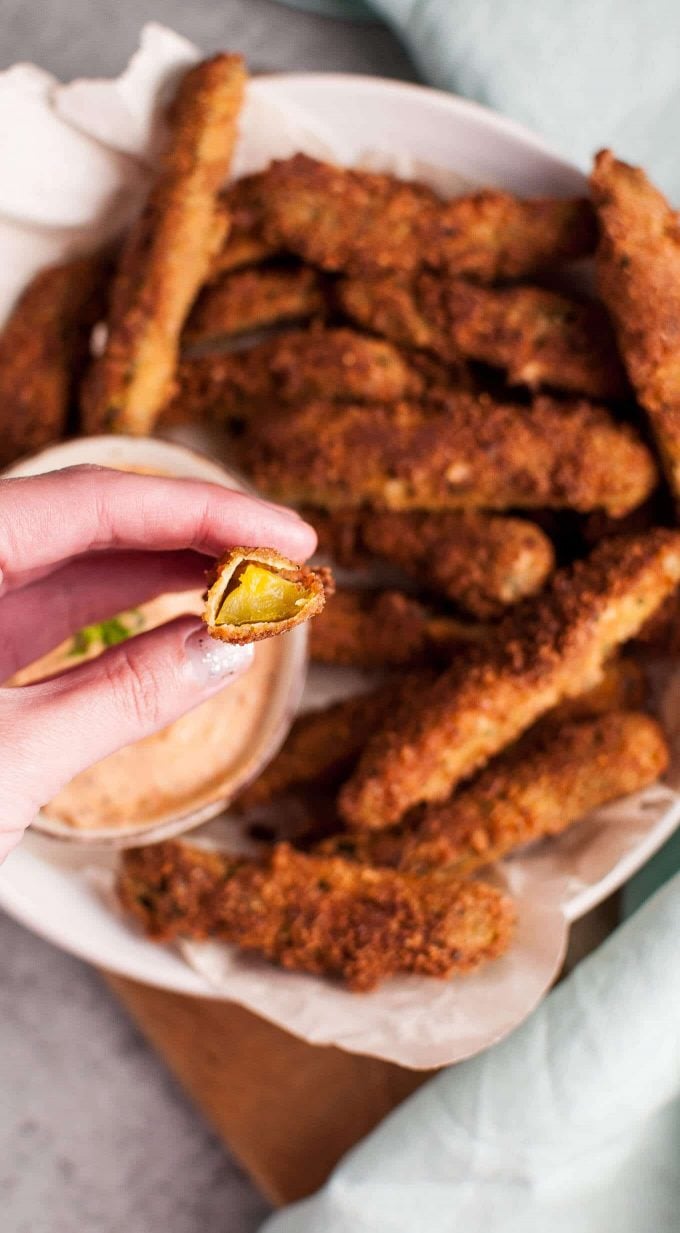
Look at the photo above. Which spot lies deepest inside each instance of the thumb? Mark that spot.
(51, 731)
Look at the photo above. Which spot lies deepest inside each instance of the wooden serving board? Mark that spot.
(287, 1110)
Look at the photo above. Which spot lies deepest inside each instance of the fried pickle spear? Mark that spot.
(256, 593)
(364, 224)
(622, 687)
(660, 636)
(167, 254)
(317, 914)
(244, 245)
(381, 629)
(540, 786)
(321, 746)
(324, 745)
(554, 648)
(338, 532)
(638, 277)
(460, 452)
(481, 562)
(339, 364)
(43, 347)
(539, 337)
(253, 300)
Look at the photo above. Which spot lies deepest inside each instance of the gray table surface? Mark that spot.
(94, 1135)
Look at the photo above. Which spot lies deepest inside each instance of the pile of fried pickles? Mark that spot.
(402, 369)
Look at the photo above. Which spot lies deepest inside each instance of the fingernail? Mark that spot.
(211, 661)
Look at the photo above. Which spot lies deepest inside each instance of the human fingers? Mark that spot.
(45, 519)
(51, 731)
(37, 617)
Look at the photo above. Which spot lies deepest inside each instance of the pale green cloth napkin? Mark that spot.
(570, 1125)
(584, 73)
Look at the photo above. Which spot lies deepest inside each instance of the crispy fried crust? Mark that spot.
(253, 300)
(482, 562)
(460, 452)
(320, 747)
(551, 778)
(370, 628)
(167, 253)
(622, 687)
(315, 914)
(324, 745)
(638, 276)
(660, 636)
(554, 648)
(292, 368)
(492, 235)
(339, 535)
(373, 629)
(363, 223)
(539, 337)
(43, 348)
(317, 583)
(244, 244)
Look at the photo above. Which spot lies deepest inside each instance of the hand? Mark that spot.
(80, 545)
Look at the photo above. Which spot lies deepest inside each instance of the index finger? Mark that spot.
(45, 519)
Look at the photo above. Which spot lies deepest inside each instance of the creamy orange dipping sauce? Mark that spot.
(188, 765)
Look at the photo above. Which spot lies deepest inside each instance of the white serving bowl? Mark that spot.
(413, 1022)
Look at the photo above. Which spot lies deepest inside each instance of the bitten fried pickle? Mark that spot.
(318, 914)
(550, 779)
(167, 253)
(292, 368)
(364, 223)
(539, 337)
(554, 649)
(638, 277)
(43, 348)
(380, 629)
(460, 452)
(481, 562)
(256, 593)
(253, 300)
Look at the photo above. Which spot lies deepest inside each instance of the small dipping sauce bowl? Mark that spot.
(173, 781)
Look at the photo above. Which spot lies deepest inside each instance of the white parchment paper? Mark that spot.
(74, 164)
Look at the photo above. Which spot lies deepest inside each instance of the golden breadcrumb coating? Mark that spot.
(638, 277)
(339, 535)
(244, 244)
(491, 235)
(372, 629)
(364, 223)
(660, 636)
(481, 562)
(540, 338)
(296, 367)
(318, 914)
(459, 452)
(324, 745)
(540, 786)
(622, 687)
(320, 746)
(252, 300)
(553, 648)
(43, 349)
(167, 253)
